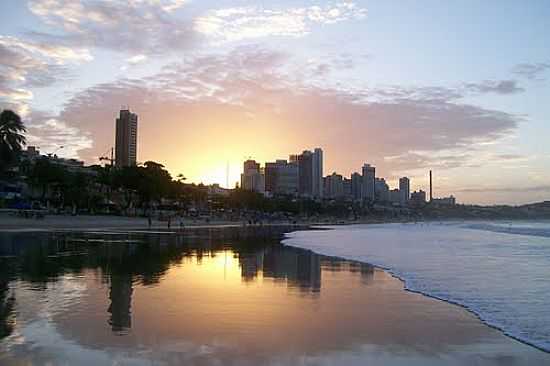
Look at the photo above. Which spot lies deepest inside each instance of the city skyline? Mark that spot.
(297, 176)
(214, 82)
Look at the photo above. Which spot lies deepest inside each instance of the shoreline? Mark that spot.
(126, 226)
(406, 288)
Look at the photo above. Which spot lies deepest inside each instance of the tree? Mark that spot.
(44, 175)
(12, 138)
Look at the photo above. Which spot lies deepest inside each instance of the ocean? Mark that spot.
(498, 270)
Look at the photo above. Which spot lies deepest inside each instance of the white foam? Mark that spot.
(503, 278)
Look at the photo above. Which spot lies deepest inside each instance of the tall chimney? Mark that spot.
(431, 187)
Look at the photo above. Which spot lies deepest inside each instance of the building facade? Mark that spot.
(305, 174)
(252, 178)
(369, 175)
(418, 199)
(281, 177)
(310, 172)
(381, 190)
(356, 186)
(126, 139)
(405, 189)
(317, 173)
(334, 186)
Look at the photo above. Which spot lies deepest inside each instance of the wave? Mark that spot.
(539, 229)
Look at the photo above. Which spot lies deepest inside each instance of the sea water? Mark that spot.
(498, 270)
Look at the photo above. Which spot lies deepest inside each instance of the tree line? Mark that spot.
(143, 187)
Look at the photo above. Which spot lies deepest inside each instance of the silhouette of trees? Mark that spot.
(44, 175)
(12, 138)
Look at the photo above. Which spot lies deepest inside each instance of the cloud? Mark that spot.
(231, 105)
(49, 133)
(30, 64)
(134, 26)
(235, 24)
(133, 61)
(492, 86)
(531, 71)
(136, 59)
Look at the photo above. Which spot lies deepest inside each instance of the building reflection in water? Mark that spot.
(300, 268)
(126, 260)
(7, 309)
(120, 294)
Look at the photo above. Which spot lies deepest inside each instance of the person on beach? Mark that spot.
(149, 221)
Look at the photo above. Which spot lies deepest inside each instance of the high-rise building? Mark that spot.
(281, 177)
(405, 189)
(305, 174)
(317, 173)
(369, 174)
(126, 138)
(334, 186)
(356, 186)
(381, 190)
(347, 189)
(395, 196)
(310, 170)
(252, 178)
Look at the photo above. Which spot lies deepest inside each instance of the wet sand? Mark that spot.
(205, 312)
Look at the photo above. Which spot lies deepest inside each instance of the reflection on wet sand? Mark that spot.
(209, 299)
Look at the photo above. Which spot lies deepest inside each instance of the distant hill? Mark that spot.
(539, 210)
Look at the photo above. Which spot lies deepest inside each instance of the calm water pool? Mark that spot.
(211, 299)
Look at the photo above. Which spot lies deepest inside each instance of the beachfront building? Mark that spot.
(395, 197)
(334, 186)
(305, 173)
(347, 189)
(310, 172)
(317, 173)
(281, 177)
(126, 139)
(252, 178)
(381, 190)
(418, 199)
(356, 186)
(405, 189)
(369, 175)
(445, 201)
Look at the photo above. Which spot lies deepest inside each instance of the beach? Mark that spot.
(98, 222)
(498, 270)
(221, 297)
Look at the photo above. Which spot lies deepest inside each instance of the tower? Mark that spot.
(126, 139)
(431, 187)
(368, 189)
(405, 189)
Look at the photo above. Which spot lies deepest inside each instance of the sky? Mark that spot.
(459, 87)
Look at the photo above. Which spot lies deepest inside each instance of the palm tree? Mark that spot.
(12, 139)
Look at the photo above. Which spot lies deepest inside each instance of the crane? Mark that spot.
(105, 158)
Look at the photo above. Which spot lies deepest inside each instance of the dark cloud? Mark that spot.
(531, 71)
(493, 86)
